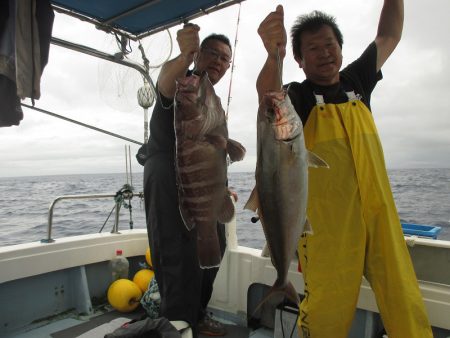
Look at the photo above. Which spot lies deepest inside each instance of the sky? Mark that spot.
(411, 105)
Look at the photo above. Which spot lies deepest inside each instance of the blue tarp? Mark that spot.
(139, 18)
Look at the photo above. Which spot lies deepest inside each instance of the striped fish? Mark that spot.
(202, 145)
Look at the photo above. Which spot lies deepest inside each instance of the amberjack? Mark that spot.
(201, 149)
(281, 191)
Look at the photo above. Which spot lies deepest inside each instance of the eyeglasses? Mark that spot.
(215, 54)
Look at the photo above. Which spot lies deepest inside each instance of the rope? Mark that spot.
(81, 123)
(123, 43)
(282, 324)
(232, 64)
(280, 66)
(107, 218)
(144, 57)
(125, 193)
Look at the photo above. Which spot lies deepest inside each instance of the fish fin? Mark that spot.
(227, 212)
(186, 217)
(218, 141)
(235, 150)
(307, 227)
(208, 251)
(278, 294)
(253, 201)
(315, 161)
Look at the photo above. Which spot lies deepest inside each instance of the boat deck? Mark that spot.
(58, 289)
(100, 324)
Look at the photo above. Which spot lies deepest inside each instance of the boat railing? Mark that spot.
(118, 204)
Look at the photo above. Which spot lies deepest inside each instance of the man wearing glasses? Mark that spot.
(185, 288)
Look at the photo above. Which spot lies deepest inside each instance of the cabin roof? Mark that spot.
(138, 18)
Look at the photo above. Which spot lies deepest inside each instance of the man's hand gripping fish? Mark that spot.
(281, 192)
(202, 145)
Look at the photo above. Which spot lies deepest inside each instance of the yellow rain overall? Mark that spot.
(356, 230)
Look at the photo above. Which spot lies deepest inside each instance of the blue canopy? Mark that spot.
(138, 18)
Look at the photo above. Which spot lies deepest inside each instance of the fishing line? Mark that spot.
(281, 322)
(295, 323)
(280, 65)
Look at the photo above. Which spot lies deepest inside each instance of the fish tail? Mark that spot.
(278, 294)
(291, 294)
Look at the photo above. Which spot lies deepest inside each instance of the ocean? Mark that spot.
(422, 197)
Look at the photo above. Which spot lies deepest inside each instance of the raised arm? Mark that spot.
(273, 36)
(390, 29)
(189, 44)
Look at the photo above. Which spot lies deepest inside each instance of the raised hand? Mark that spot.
(189, 41)
(273, 33)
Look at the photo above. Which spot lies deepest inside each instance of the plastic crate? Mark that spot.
(421, 230)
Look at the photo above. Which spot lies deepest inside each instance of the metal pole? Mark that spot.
(67, 197)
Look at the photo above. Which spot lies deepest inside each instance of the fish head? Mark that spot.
(212, 111)
(186, 91)
(187, 96)
(188, 82)
(281, 115)
(198, 110)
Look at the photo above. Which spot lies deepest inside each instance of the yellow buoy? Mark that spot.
(142, 278)
(124, 295)
(148, 258)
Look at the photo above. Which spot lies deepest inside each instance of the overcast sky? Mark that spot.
(410, 105)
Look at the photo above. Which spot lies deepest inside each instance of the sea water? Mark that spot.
(422, 196)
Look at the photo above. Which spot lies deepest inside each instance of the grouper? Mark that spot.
(281, 191)
(202, 145)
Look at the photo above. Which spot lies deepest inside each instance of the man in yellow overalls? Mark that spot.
(356, 229)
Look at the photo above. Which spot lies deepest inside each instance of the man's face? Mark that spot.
(214, 58)
(321, 56)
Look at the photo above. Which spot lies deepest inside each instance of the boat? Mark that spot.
(57, 287)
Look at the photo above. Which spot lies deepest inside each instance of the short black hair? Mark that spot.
(312, 22)
(219, 37)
